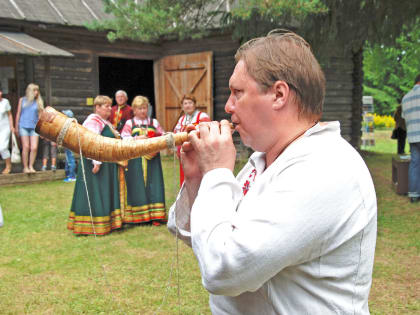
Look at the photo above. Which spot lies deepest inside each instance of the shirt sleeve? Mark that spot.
(178, 126)
(126, 131)
(242, 243)
(95, 125)
(204, 117)
(179, 217)
(159, 129)
(8, 107)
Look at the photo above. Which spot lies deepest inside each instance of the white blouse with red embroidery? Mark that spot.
(186, 120)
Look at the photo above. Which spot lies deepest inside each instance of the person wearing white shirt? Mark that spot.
(295, 231)
(6, 128)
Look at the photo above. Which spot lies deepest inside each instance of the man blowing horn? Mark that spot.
(295, 231)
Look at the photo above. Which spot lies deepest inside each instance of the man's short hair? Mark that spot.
(285, 56)
(417, 79)
(122, 92)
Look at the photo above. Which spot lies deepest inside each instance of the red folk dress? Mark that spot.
(182, 124)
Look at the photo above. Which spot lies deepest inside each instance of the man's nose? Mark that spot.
(229, 107)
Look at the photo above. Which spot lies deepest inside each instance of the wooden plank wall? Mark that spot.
(224, 49)
(339, 93)
(73, 80)
(342, 100)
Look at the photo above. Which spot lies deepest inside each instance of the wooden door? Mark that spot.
(178, 75)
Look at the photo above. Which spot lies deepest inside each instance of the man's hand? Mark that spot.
(209, 147)
(213, 146)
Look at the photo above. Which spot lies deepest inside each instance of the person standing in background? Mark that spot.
(99, 179)
(29, 108)
(47, 148)
(6, 127)
(411, 114)
(144, 177)
(191, 116)
(121, 112)
(70, 166)
(400, 130)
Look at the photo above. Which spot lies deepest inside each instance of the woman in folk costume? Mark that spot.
(191, 116)
(144, 178)
(102, 181)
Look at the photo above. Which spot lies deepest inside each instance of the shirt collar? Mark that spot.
(257, 159)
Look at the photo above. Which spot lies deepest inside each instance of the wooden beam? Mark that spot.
(22, 178)
(47, 81)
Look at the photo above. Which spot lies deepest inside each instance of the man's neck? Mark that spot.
(284, 141)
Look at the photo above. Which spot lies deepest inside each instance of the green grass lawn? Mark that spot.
(384, 143)
(45, 269)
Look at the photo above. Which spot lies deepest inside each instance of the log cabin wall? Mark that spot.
(75, 79)
(224, 49)
(357, 105)
(339, 93)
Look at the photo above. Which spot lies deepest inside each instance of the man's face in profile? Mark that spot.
(249, 108)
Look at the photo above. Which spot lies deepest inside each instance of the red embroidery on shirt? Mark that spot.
(247, 184)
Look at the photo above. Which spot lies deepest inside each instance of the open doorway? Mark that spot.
(131, 75)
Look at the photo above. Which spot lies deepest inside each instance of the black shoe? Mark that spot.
(414, 199)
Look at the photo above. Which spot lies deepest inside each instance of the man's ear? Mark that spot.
(282, 92)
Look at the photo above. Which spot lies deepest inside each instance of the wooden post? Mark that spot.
(47, 81)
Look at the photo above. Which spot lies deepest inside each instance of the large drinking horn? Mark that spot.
(57, 127)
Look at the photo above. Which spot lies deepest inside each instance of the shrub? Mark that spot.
(383, 122)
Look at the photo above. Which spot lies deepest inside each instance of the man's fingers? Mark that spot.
(187, 146)
(194, 138)
(225, 128)
(190, 128)
(214, 129)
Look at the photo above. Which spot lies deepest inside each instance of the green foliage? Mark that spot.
(253, 18)
(389, 70)
(150, 20)
(327, 24)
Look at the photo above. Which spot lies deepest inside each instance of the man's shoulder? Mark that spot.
(414, 93)
(127, 108)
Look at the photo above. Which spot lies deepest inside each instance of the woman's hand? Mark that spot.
(96, 168)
